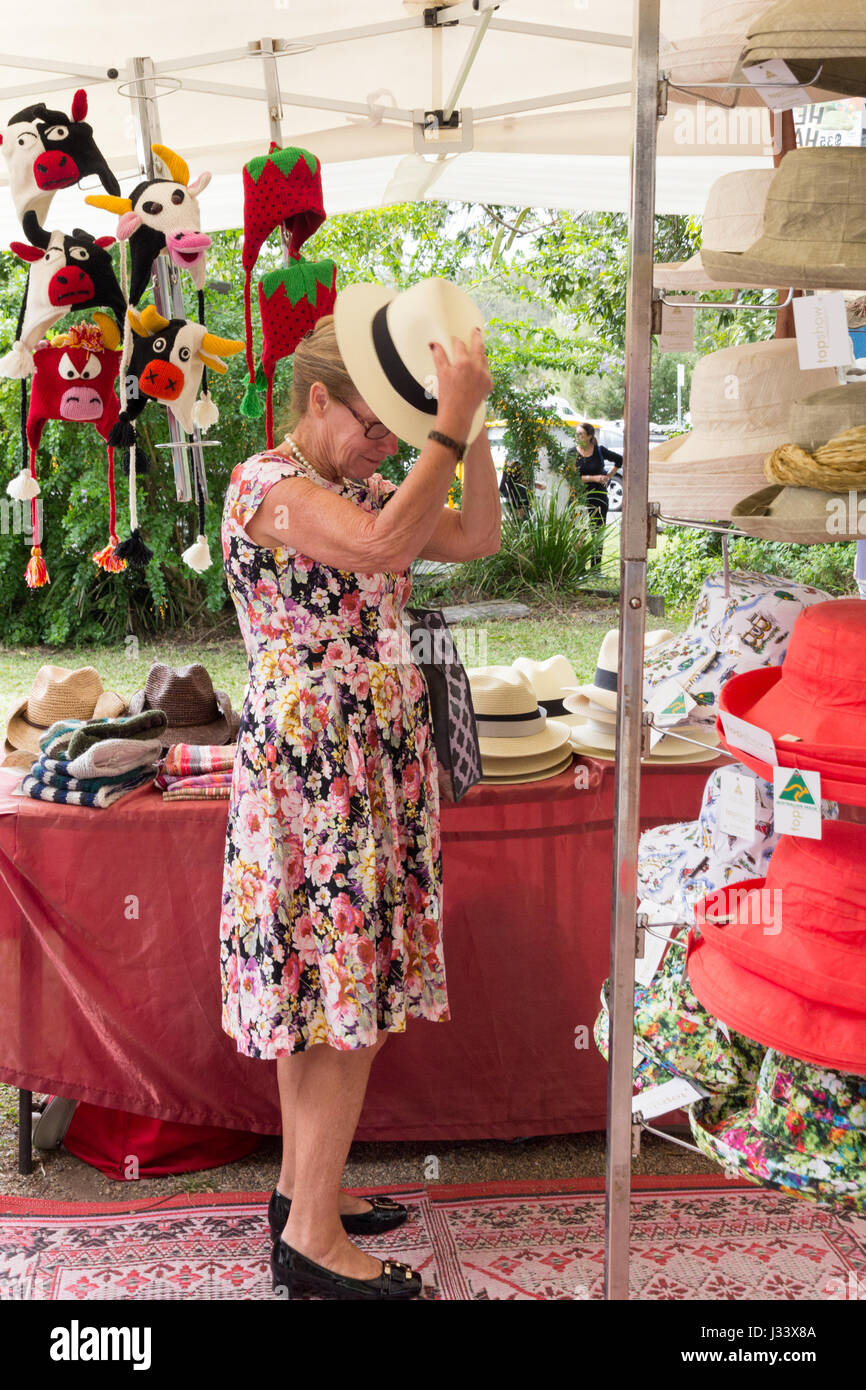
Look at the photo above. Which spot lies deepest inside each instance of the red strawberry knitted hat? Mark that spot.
(291, 300)
(281, 189)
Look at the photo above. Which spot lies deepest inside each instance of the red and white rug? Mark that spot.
(692, 1239)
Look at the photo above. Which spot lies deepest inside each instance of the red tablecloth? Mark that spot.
(109, 966)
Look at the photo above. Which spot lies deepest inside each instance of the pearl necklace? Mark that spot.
(305, 462)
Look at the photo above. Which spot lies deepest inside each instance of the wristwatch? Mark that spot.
(448, 443)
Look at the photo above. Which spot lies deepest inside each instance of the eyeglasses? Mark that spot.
(373, 429)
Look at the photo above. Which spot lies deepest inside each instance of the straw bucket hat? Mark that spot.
(551, 680)
(740, 402)
(58, 693)
(711, 55)
(733, 220)
(814, 221)
(801, 515)
(807, 36)
(827, 447)
(603, 689)
(514, 734)
(384, 339)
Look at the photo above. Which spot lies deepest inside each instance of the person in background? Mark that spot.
(589, 457)
(514, 487)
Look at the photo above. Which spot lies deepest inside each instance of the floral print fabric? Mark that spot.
(331, 904)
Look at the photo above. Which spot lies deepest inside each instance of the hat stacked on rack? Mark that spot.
(282, 191)
(822, 45)
(737, 625)
(518, 743)
(733, 219)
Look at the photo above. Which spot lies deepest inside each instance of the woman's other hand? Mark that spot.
(463, 383)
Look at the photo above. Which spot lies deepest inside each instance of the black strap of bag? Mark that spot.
(455, 734)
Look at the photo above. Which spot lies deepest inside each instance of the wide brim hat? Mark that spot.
(384, 338)
(704, 489)
(690, 277)
(813, 221)
(551, 739)
(551, 680)
(504, 764)
(807, 37)
(799, 515)
(594, 740)
(58, 693)
(602, 690)
(17, 758)
(515, 777)
(681, 863)
(743, 1138)
(218, 731)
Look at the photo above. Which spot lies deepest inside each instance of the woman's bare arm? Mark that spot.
(475, 528)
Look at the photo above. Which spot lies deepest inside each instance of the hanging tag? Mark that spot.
(671, 1095)
(777, 85)
(678, 326)
(797, 802)
(653, 946)
(723, 1029)
(750, 738)
(669, 705)
(821, 322)
(737, 804)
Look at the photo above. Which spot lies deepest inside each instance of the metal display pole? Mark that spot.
(167, 294)
(275, 115)
(632, 627)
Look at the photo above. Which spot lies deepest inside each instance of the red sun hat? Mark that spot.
(778, 958)
(819, 693)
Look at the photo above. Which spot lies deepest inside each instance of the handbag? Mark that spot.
(455, 734)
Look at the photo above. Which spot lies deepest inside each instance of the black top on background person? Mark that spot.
(591, 463)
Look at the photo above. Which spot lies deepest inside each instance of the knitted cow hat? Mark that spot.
(74, 379)
(46, 150)
(282, 189)
(291, 300)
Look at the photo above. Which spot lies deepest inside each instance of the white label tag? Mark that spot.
(672, 1095)
(653, 946)
(678, 326)
(723, 1029)
(777, 85)
(797, 802)
(823, 340)
(737, 804)
(669, 705)
(751, 739)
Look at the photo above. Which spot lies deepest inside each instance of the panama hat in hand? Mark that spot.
(58, 693)
(384, 338)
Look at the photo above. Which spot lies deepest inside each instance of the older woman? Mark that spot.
(330, 930)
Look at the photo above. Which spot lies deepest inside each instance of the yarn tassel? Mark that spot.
(107, 558)
(36, 573)
(198, 556)
(23, 486)
(205, 412)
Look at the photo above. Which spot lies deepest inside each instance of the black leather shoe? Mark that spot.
(297, 1275)
(385, 1215)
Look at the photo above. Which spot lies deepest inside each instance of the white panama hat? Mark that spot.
(510, 723)
(384, 337)
(551, 680)
(603, 690)
(598, 740)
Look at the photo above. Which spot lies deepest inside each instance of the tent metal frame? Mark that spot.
(638, 522)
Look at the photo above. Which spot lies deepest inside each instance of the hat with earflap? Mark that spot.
(291, 301)
(282, 190)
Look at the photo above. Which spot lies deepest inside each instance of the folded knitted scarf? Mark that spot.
(208, 779)
(203, 793)
(54, 772)
(184, 759)
(70, 738)
(115, 756)
(106, 796)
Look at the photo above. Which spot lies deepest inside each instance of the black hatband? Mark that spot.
(395, 370)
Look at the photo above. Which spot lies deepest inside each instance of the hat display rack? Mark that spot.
(723, 84)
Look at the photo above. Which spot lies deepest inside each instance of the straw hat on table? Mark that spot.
(59, 693)
(515, 737)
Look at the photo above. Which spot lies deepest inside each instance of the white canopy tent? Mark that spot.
(541, 90)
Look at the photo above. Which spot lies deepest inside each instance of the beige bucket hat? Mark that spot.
(740, 401)
(806, 36)
(827, 447)
(814, 233)
(511, 727)
(733, 220)
(60, 693)
(711, 55)
(802, 515)
(384, 339)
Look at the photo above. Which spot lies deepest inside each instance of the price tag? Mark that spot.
(797, 802)
(669, 705)
(653, 946)
(678, 326)
(672, 1095)
(823, 340)
(777, 85)
(737, 804)
(750, 738)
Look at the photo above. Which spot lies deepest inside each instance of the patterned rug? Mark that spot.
(691, 1239)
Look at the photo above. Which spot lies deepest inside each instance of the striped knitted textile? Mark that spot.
(54, 772)
(185, 759)
(113, 756)
(199, 793)
(165, 780)
(106, 796)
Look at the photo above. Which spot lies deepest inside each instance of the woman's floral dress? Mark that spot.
(331, 906)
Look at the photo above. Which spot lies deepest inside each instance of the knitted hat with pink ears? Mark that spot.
(281, 189)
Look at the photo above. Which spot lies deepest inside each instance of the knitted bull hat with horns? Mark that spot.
(282, 191)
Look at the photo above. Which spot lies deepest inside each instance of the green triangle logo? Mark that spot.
(676, 706)
(796, 790)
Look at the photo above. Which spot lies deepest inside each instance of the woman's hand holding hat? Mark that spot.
(463, 383)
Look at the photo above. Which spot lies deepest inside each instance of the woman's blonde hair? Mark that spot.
(317, 358)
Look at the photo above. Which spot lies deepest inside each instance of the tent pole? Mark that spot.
(167, 294)
(632, 627)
